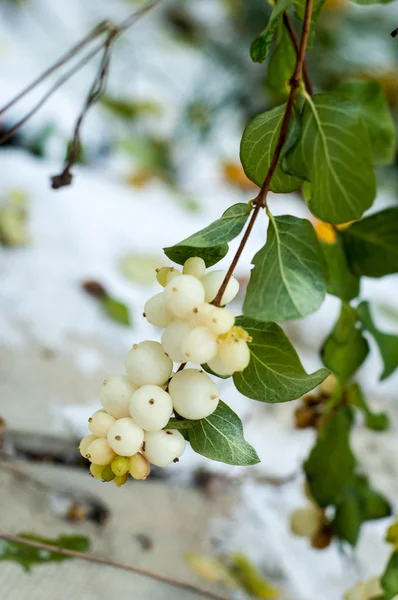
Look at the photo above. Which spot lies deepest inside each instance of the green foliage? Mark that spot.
(334, 154)
(330, 466)
(180, 424)
(299, 6)
(387, 343)
(289, 276)
(373, 420)
(220, 437)
(261, 45)
(211, 243)
(28, 557)
(275, 373)
(116, 310)
(250, 578)
(258, 146)
(341, 281)
(281, 64)
(370, 98)
(345, 349)
(370, 2)
(389, 580)
(371, 244)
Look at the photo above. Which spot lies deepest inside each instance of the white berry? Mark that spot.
(218, 320)
(100, 423)
(115, 395)
(173, 337)
(305, 522)
(199, 346)
(146, 363)
(139, 467)
(194, 394)
(183, 294)
(234, 354)
(212, 282)
(85, 442)
(219, 367)
(163, 447)
(125, 437)
(195, 266)
(99, 452)
(156, 311)
(151, 407)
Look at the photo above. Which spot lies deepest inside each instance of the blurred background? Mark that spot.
(159, 160)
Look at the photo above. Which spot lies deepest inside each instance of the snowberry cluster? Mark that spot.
(130, 432)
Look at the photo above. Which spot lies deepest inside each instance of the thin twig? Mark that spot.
(394, 33)
(111, 563)
(261, 199)
(295, 40)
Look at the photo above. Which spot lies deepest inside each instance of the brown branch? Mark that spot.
(111, 563)
(295, 40)
(261, 199)
(394, 33)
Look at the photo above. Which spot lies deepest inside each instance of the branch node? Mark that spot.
(64, 179)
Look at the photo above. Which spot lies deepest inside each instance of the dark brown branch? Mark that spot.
(295, 40)
(261, 199)
(111, 563)
(394, 33)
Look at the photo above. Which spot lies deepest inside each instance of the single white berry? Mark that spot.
(212, 282)
(218, 320)
(172, 274)
(166, 274)
(219, 367)
(173, 337)
(115, 395)
(195, 266)
(183, 294)
(85, 442)
(100, 423)
(163, 447)
(234, 354)
(305, 522)
(151, 407)
(147, 363)
(194, 394)
(156, 311)
(139, 467)
(99, 452)
(125, 437)
(199, 346)
(357, 592)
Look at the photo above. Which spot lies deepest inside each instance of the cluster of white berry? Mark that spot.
(129, 433)
(366, 590)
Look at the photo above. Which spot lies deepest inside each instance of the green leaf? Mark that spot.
(28, 557)
(368, 3)
(251, 579)
(299, 6)
(341, 281)
(371, 244)
(348, 519)
(389, 580)
(261, 45)
(258, 145)
(334, 154)
(374, 110)
(180, 424)
(275, 373)
(345, 349)
(211, 243)
(281, 64)
(289, 276)
(220, 437)
(116, 310)
(206, 368)
(375, 421)
(387, 343)
(330, 466)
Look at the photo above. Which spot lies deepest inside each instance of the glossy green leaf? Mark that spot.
(261, 45)
(334, 154)
(374, 110)
(288, 280)
(387, 343)
(389, 580)
(348, 519)
(341, 281)
(371, 244)
(330, 466)
(116, 310)
(345, 349)
(180, 424)
(258, 145)
(220, 437)
(275, 373)
(281, 64)
(375, 421)
(210, 243)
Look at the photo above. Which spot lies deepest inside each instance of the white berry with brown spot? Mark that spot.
(183, 294)
(151, 407)
(99, 452)
(125, 437)
(115, 395)
(84, 444)
(199, 346)
(100, 423)
(194, 394)
(164, 447)
(147, 363)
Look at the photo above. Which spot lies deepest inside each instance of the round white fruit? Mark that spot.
(305, 522)
(234, 354)
(173, 337)
(219, 367)
(220, 320)
(115, 395)
(99, 452)
(139, 467)
(147, 363)
(100, 423)
(195, 266)
(183, 294)
(194, 394)
(163, 447)
(199, 346)
(156, 311)
(151, 407)
(85, 442)
(125, 437)
(212, 282)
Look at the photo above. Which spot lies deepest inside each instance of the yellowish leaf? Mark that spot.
(250, 578)
(210, 568)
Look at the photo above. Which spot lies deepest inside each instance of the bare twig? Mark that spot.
(111, 563)
(295, 40)
(394, 33)
(261, 199)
